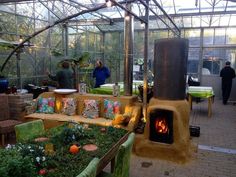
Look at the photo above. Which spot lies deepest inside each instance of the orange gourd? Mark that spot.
(74, 149)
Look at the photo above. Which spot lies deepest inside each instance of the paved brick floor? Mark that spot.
(218, 137)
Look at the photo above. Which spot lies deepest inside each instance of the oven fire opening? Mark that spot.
(161, 126)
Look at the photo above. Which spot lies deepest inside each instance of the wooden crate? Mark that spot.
(17, 104)
(4, 109)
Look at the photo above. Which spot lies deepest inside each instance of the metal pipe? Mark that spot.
(120, 56)
(170, 68)
(18, 69)
(145, 69)
(65, 40)
(103, 45)
(128, 61)
(200, 61)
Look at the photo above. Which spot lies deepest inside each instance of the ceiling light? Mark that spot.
(108, 3)
(142, 25)
(127, 17)
(196, 3)
(21, 39)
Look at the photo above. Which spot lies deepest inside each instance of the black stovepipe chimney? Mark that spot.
(170, 68)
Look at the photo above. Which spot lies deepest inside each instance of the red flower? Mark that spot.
(42, 172)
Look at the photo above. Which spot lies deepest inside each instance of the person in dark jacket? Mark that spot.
(101, 73)
(64, 77)
(227, 74)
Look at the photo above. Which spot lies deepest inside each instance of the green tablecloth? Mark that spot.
(108, 91)
(201, 92)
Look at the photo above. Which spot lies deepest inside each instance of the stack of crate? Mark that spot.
(17, 103)
(4, 109)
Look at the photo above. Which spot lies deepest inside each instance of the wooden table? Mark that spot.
(106, 157)
(201, 92)
(110, 155)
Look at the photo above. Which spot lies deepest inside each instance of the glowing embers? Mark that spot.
(161, 126)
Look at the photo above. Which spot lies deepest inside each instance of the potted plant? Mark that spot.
(3, 83)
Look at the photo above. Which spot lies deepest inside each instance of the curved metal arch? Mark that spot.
(50, 26)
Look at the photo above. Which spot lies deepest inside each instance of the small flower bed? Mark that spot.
(33, 151)
(32, 159)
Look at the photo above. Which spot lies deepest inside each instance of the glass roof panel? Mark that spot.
(187, 21)
(205, 21)
(7, 8)
(220, 5)
(191, 13)
(218, 20)
(41, 11)
(178, 21)
(168, 6)
(232, 21)
(27, 9)
(231, 8)
(89, 2)
(112, 12)
(196, 21)
(184, 7)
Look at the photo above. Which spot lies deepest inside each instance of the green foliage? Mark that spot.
(25, 160)
(84, 58)
(70, 134)
(34, 151)
(1, 75)
(139, 61)
(65, 164)
(6, 46)
(82, 61)
(56, 52)
(13, 164)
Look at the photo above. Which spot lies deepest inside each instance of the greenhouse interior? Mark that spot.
(139, 88)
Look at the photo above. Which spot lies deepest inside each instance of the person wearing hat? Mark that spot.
(227, 74)
(64, 77)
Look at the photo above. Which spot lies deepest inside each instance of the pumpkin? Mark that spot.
(74, 149)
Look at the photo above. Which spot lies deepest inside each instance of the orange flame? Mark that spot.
(161, 126)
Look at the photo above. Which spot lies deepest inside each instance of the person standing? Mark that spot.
(227, 74)
(64, 77)
(100, 73)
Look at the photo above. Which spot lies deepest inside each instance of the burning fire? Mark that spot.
(161, 126)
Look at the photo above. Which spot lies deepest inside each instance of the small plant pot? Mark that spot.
(3, 85)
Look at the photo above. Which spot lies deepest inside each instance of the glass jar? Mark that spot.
(116, 90)
(82, 88)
